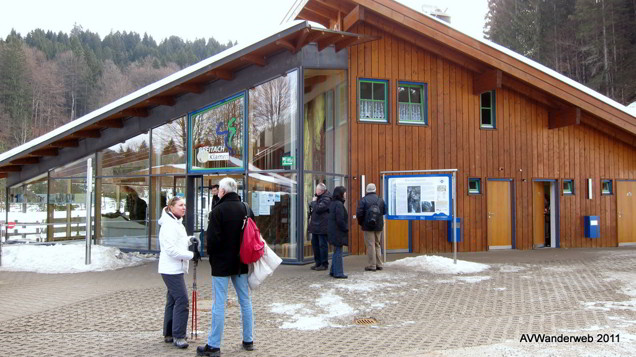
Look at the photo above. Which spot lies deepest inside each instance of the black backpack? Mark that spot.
(373, 216)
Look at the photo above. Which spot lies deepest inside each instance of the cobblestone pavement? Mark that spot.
(548, 291)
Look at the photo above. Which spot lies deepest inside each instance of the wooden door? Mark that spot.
(499, 214)
(626, 204)
(397, 235)
(538, 219)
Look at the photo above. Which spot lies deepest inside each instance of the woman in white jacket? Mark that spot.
(174, 259)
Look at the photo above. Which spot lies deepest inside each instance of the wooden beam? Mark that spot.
(313, 36)
(357, 14)
(110, 123)
(307, 14)
(192, 88)
(329, 40)
(255, 59)
(72, 143)
(162, 100)
(11, 168)
(223, 74)
(564, 117)
(287, 45)
(136, 112)
(26, 161)
(45, 152)
(487, 81)
(300, 42)
(322, 10)
(346, 42)
(336, 24)
(95, 133)
(529, 92)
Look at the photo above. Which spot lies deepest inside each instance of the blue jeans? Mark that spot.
(337, 265)
(319, 246)
(219, 284)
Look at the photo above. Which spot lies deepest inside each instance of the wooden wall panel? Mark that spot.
(522, 148)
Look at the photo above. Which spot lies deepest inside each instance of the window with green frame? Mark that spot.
(568, 187)
(606, 187)
(412, 103)
(474, 186)
(487, 112)
(372, 100)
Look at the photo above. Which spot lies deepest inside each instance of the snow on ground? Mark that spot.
(439, 265)
(326, 308)
(66, 258)
(511, 269)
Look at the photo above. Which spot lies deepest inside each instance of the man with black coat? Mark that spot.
(223, 240)
(319, 210)
(370, 215)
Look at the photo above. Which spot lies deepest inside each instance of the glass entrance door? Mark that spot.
(204, 197)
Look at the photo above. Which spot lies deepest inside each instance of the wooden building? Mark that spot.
(525, 149)
(383, 88)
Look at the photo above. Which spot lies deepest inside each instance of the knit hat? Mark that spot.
(370, 187)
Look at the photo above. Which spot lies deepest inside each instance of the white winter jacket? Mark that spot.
(173, 242)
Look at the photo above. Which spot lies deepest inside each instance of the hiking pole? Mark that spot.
(193, 328)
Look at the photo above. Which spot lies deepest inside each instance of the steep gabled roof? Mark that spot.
(490, 62)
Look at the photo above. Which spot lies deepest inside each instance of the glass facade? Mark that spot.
(253, 136)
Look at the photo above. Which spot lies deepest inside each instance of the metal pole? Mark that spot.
(385, 214)
(454, 219)
(1, 237)
(89, 195)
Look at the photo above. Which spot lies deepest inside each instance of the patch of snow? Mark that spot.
(315, 286)
(472, 279)
(500, 289)
(511, 269)
(307, 319)
(611, 305)
(366, 286)
(439, 265)
(65, 258)
(632, 108)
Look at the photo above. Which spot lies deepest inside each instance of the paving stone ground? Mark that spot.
(547, 291)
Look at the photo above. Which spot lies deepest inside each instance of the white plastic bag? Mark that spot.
(271, 259)
(263, 268)
(258, 272)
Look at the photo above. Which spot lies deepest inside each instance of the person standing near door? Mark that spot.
(223, 246)
(319, 210)
(370, 215)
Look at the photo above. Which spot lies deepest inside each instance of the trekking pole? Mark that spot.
(193, 328)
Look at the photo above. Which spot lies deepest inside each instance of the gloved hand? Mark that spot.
(194, 248)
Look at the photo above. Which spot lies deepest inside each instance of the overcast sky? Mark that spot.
(239, 20)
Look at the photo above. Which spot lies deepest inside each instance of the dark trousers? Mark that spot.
(320, 248)
(175, 317)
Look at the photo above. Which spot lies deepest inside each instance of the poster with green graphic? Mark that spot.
(217, 136)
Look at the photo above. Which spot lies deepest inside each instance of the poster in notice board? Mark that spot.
(419, 197)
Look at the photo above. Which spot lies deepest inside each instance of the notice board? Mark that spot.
(419, 197)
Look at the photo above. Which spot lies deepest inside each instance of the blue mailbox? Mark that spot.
(459, 230)
(592, 227)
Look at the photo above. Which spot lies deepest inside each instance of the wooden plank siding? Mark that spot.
(521, 148)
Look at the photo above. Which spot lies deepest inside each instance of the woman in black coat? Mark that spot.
(338, 230)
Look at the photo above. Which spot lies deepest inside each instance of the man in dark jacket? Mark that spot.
(223, 240)
(319, 209)
(370, 215)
